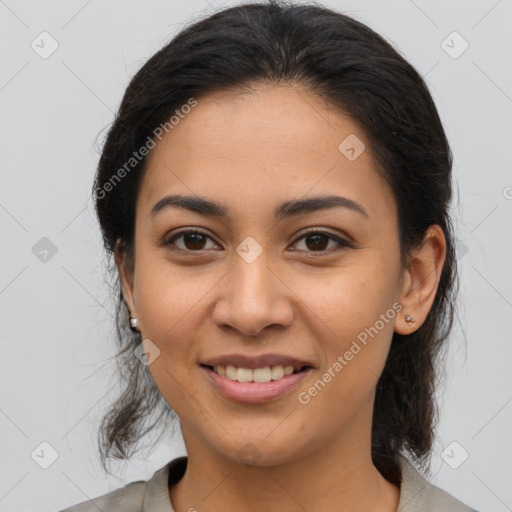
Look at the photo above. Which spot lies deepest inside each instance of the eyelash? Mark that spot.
(343, 243)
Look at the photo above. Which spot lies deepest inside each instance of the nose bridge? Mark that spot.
(252, 275)
(254, 297)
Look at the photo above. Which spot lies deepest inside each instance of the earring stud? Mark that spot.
(134, 324)
(409, 318)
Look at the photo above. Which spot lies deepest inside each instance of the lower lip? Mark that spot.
(255, 392)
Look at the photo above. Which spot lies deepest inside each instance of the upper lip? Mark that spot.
(252, 362)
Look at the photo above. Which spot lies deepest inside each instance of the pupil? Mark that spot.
(317, 237)
(192, 240)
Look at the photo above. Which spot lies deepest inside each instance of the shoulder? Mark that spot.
(138, 496)
(419, 495)
(129, 498)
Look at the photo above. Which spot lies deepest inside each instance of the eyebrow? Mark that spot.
(291, 208)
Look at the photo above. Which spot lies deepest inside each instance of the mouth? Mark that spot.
(255, 385)
(257, 375)
(256, 368)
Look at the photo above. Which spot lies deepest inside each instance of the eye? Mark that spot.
(193, 241)
(317, 241)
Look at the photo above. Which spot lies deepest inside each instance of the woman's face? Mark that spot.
(252, 284)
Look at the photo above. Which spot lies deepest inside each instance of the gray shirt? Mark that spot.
(416, 493)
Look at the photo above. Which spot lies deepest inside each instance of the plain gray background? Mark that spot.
(56, 317)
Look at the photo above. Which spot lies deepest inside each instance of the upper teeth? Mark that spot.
(265, 374)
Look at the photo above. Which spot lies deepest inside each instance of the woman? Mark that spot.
(275, 191)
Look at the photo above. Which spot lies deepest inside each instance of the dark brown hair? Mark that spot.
(356, 72)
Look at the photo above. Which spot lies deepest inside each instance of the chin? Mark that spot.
(262, 450)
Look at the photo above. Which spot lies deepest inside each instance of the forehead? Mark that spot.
(253, 150)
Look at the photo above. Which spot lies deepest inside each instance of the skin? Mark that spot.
(252, 151)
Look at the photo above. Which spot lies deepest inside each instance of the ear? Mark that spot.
(421, 279)
(125, 277)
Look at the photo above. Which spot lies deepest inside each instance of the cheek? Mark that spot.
(350, 300)
(354, 313)
(169, 297)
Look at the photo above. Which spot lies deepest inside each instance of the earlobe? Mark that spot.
(421, 280)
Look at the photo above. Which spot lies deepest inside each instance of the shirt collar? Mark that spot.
(157, 491)
(414, 488)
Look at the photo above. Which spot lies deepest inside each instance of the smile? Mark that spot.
(255, 385)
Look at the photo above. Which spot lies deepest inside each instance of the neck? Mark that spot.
(334, 476)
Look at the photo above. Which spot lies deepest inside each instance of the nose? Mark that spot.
(253, 297)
